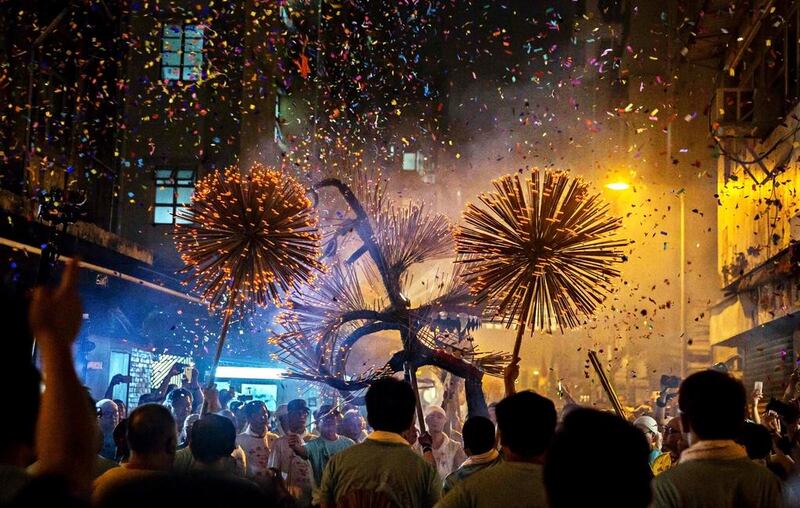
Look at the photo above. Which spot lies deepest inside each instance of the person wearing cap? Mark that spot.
(328, 443)
(289, 455)
(648, 426)
(448, 454)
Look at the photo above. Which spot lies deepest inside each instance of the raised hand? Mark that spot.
(55, 314)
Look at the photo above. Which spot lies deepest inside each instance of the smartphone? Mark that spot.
(187, 372)
(759, 386)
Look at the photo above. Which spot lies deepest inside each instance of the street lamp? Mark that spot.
(618, 186)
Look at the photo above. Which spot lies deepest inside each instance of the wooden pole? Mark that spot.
(604, 381)
(526, 305)
(412, 375)
(226, 322)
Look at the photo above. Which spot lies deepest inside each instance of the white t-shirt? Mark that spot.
(296, 470)
(256, 450)
(448, 457)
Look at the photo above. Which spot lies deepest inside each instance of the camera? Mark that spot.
(670, 381)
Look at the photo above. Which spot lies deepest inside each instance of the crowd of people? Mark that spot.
(205, 447)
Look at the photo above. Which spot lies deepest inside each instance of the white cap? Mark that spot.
(646, 422)
(434, 409)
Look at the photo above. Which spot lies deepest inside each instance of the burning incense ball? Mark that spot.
(540, 250)
(248, 237)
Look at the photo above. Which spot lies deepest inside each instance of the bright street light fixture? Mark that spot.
(618, 186)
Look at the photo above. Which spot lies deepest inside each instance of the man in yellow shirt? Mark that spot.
(152, 440)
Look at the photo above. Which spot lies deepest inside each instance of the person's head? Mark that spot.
(107, 416)
(121, 440)
(479, 435)
(435, 419)
(179, 402)
(756, 439)
(151, 437)
(186, 428)
(613, 471)
(411, 434)
(122, 408)
(390, 405)
(649, 428)
(297, 415)
(225, 396)
(712, 406)
(526, 422)
(352, 424)
(213, 437)
(257, 416)
(329, 418)
(237, 408)
(282, 414)
(674, 438)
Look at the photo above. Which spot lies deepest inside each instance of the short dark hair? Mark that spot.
(390, 405)
(253, 406)
(173, 395)
(756, 439)
(713, 405)
(619, 462)
(213, 437)
(527, 422)
(150, 429)
(478, 434)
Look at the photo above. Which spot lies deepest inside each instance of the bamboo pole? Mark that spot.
(226, 322)
(526, 305)
(412, 375)
(604, 381)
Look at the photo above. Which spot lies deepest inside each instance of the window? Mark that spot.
(411, 161)
(174, 189)
(182, 53)
(414, 161)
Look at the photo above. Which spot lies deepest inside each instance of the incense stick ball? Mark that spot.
(248, 237)
(540, 250)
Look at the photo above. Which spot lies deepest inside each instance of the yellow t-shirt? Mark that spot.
(112, 478)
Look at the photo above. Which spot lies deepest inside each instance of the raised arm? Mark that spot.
(510, 375)
(65, 430)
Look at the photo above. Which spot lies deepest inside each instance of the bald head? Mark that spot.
(151, 430)
(108, 415)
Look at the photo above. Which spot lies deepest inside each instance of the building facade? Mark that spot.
(754, 120)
